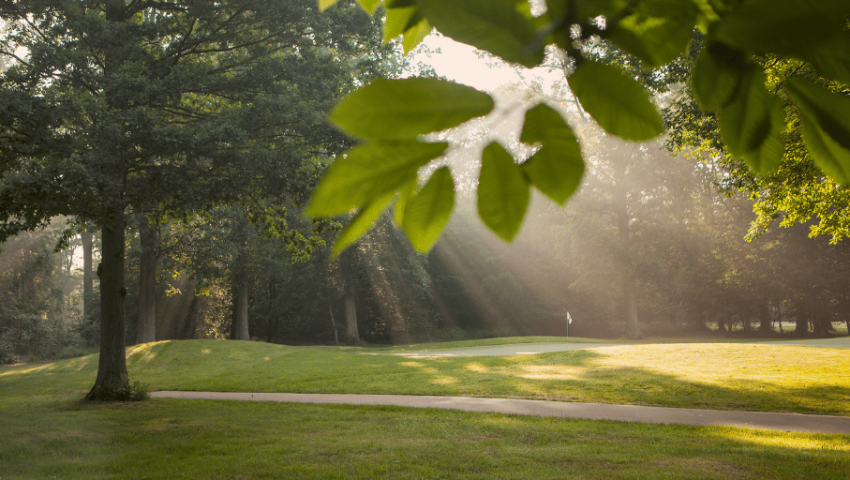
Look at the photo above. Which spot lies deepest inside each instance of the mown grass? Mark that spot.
(716, 376)
(45, 432)
(484, 342)
(171, 439)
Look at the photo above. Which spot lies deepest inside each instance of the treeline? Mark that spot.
(649, 237)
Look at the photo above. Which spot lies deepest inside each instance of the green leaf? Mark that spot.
(368, 5)
(492, 25)
(555, 174)
(360, 224)
(715, 82)
(428, 212)
(368, 172)
(324, 4)
(618, 103)
(414, 35)
(783, 26)
(404, 109)
(751, 125)
(503, 193)
(832, 59)
(657, 31)
(405, 192)
(400, 20)
(399, 3)
(556, 169)
(826, 127)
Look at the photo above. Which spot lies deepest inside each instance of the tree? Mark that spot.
(39, 315)
(728, 79)
(798, 189)
(164, 108)
(149, 255)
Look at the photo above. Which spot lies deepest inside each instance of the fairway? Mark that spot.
(47, 433)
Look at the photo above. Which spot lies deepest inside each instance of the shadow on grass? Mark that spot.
(168, 439)
(581, 376)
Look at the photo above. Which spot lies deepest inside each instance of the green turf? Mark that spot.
(45, 432)
(718, 376)
(56, 437)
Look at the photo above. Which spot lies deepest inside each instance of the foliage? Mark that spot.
(39, 287)
(794, 193)
(727, 79)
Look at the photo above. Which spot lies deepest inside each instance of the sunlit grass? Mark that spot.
(45, 438)
(46, 433)
(485, 342)
(714, 376)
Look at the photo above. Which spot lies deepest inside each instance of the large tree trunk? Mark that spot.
(765, 323)
(333, 323)
(240, 306)
(801, 327)
(351, 334)
(271, 315)
(112, 381)
(198, 316)
(632, 326)
(88, 274)
(745, 322)
(623, 218)
(146, 329)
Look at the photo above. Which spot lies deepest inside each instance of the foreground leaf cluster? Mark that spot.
(727, 79)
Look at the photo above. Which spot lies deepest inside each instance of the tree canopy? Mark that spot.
(729, 79)
(166, 109)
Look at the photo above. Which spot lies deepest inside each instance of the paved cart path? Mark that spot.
(789, 422)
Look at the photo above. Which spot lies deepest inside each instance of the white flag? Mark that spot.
(569, 318)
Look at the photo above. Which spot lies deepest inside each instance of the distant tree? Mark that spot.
(116, 106)
(39, 291)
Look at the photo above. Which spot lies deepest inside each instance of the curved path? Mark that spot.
(789, 422)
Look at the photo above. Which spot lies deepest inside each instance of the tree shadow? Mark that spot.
(581, 376)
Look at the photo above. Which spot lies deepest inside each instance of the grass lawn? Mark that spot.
(45, 432)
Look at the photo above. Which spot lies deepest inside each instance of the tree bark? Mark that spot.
(623, 218)
(112, 381)
(745, 323)
(351, 333)
(271, 317)
(801, 327)
(240, 306)
(632, 326)
(146, 329)
(333, 322)
(765, 324)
